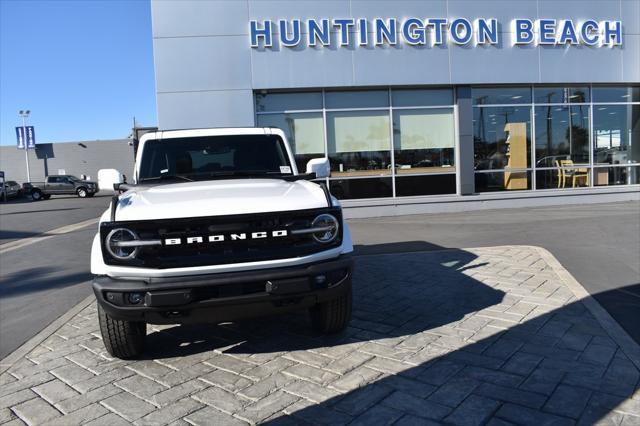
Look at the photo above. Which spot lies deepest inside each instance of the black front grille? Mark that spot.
(216, 253)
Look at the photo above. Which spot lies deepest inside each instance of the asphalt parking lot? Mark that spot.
(23, 218)
(41, 281)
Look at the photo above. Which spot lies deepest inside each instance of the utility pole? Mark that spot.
(24, 114)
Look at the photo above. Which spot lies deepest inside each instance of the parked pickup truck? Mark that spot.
(62, 185)
(219, 225)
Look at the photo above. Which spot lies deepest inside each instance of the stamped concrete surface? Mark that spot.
(475, 336)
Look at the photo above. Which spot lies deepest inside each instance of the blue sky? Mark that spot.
(83, 67)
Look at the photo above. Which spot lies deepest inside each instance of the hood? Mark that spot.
(218, 198)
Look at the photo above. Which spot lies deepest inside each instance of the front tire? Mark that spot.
(122, 339)
(36, 195)
(332, 316)
(82, 192)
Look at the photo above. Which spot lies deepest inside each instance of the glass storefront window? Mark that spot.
(415, 98)
(561, 95)
(502, 181)
(616, 94)
(304, 132)
(616, 134)
(423, 140)
(501, 95)
(562, 133)
(502, 137)
(605, 176)
(359, 143)
(361, 188)
(358, 129)
(355, 99)
(437, 184)
(288, 101)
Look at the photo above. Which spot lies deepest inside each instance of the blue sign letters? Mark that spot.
(432, 31)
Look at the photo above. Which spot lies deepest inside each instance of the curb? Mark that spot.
(629, 346)
(30, 344)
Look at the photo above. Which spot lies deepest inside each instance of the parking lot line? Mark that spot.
(14, 245)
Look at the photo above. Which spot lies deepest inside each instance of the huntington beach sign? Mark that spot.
(432, 32)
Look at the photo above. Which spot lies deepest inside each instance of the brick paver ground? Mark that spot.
(478, 336)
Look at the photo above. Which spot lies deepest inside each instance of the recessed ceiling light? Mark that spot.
(602, 109)
(516, 97)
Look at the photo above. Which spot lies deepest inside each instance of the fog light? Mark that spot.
(135, 298)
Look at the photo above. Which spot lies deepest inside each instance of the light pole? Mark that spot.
(24, 114)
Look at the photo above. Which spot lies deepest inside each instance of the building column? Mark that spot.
(464, 103)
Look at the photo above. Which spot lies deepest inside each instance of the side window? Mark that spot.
(53, 179)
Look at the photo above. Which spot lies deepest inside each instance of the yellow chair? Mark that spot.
(566, 170)
(560, 174)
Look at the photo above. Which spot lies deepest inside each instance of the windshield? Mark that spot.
(214, 157)
(72, 177)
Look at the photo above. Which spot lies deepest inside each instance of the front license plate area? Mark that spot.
(288, 286)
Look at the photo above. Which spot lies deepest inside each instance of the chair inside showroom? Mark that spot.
(561, 179)
(567, 170)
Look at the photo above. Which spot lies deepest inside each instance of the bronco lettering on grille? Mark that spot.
(222, 237)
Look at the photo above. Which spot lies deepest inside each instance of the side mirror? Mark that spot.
(319, 166)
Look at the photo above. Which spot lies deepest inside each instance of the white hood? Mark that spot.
(218, 198)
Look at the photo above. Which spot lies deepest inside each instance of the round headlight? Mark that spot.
(327, 228)
(116, 243)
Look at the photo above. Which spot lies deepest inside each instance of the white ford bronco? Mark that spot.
(219, 225)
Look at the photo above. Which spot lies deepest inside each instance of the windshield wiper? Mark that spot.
(167, 177)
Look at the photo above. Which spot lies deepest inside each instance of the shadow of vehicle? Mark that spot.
(38, 279)
(421, 303)
(15, 235)
(416, 348)
(16, 200)
(40, 211)
(396, 247)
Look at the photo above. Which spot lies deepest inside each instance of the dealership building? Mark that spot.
(419, 105)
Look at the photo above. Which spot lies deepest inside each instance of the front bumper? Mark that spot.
(216, 298)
